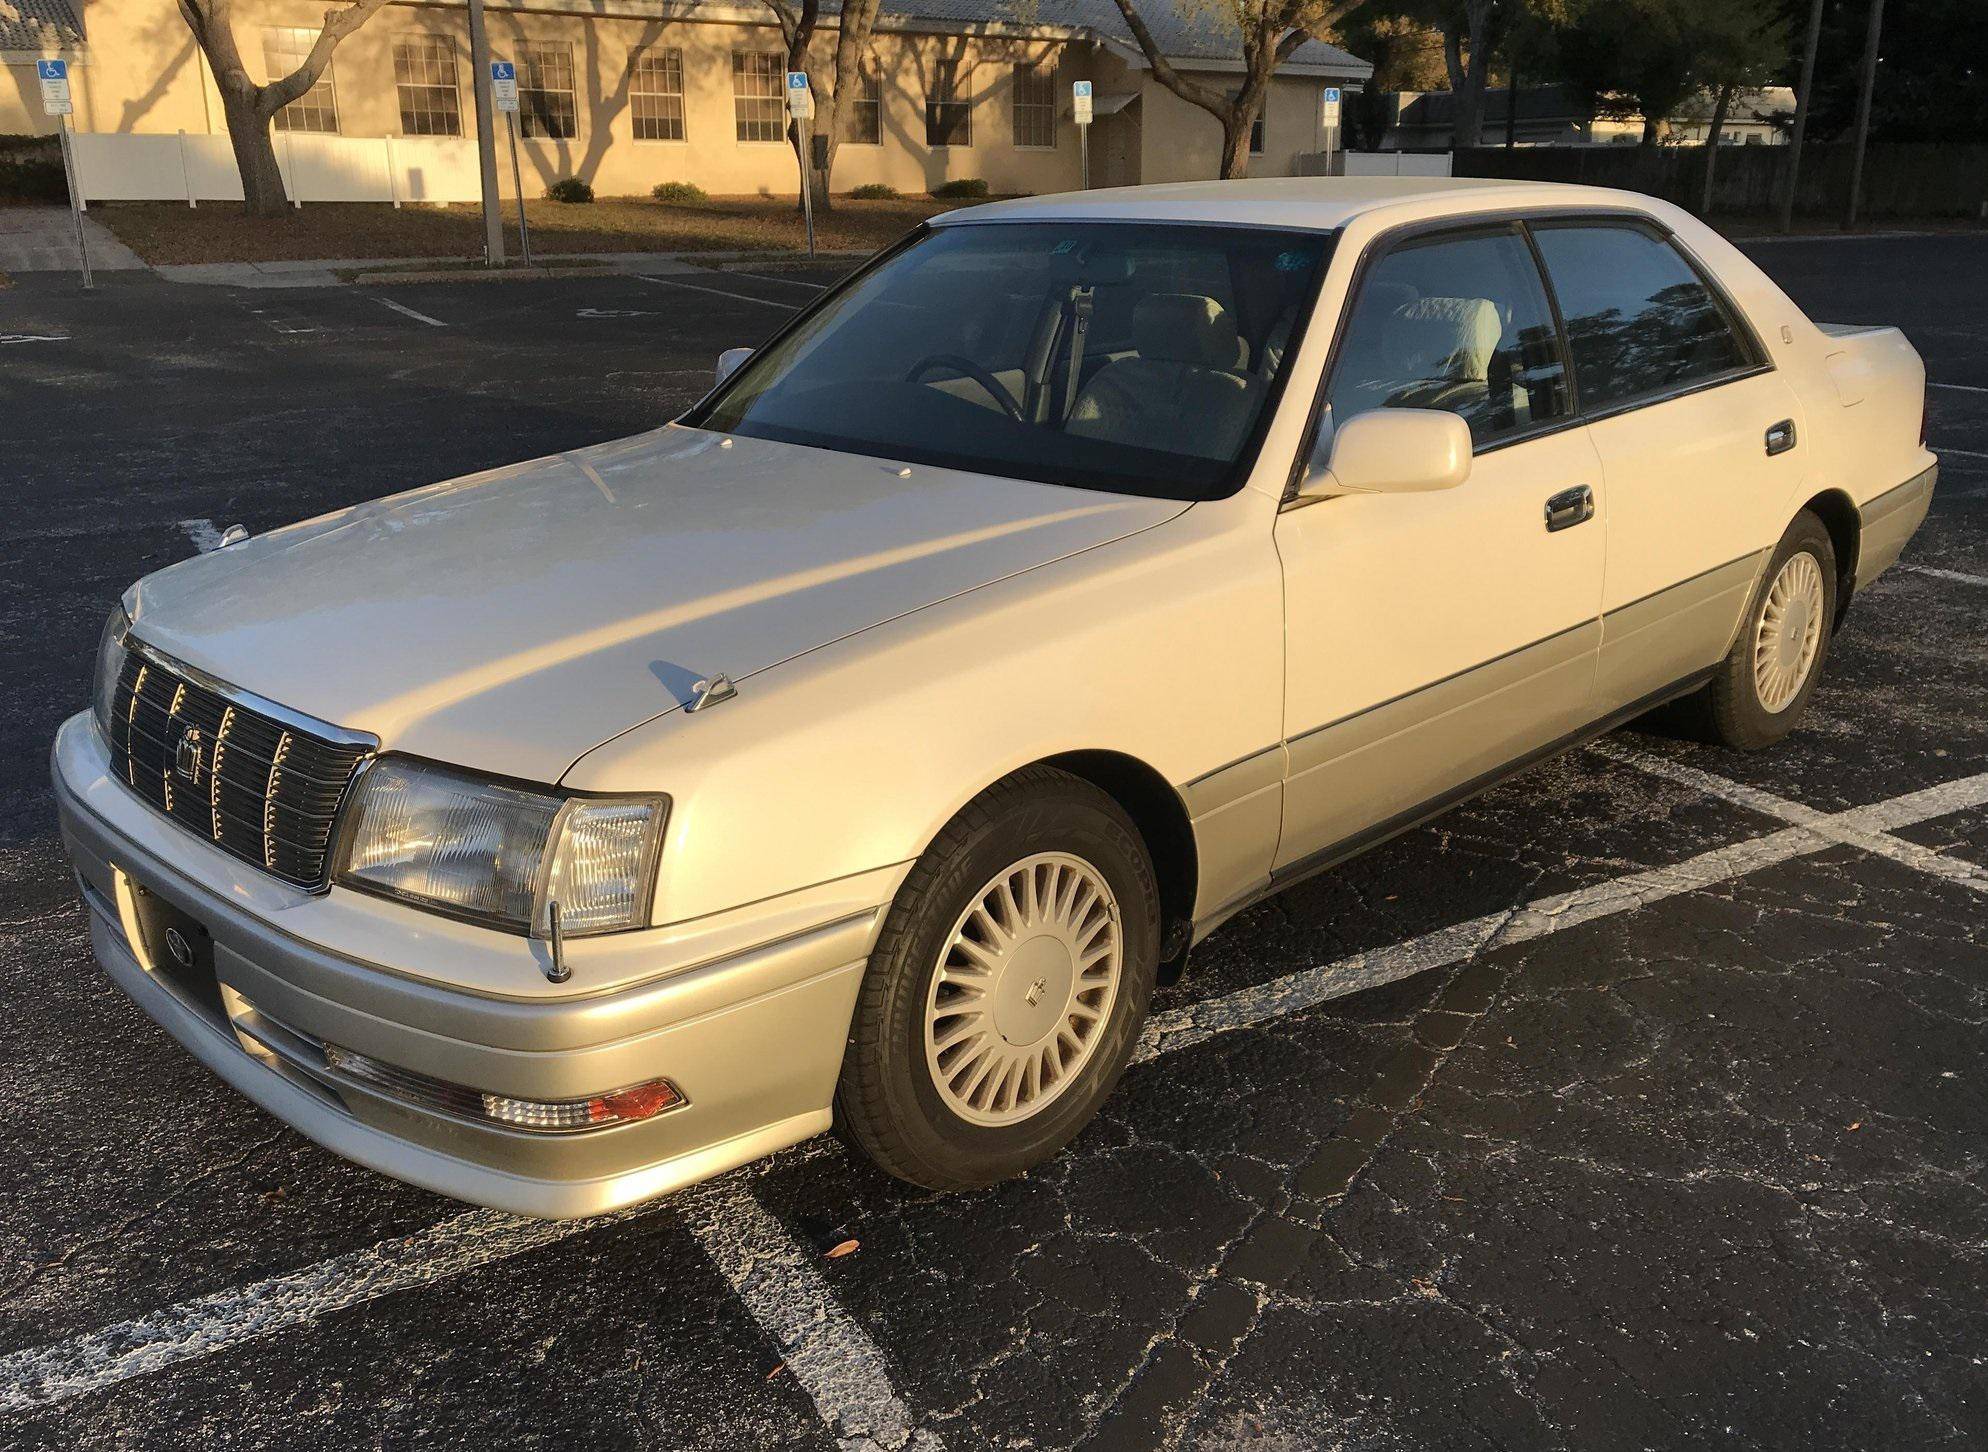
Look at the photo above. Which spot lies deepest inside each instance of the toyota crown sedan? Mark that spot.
(862, 747)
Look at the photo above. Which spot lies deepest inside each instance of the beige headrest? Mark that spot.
(1434, 331)
(1185, 327)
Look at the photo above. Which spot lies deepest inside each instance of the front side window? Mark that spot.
(759, 95)
(545, 91)
(1035, 104)
(1459, 323)
(284, 48)
(424, 72)
(949, 102)
(1639, 319)
(1137, 358)
(862, 112)
(656, 93)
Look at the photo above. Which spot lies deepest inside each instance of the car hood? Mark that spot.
(514, 620)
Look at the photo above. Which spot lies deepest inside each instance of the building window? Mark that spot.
(545, 92)
(284, 48)
(759, 94)
(1035, 104)
(656, 89)
(424, 70)
(863, 113)
(949, 102)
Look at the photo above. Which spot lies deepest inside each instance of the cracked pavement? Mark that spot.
(1661, 1122)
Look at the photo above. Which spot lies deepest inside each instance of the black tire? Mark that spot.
(887, 1102)
(1733, 712)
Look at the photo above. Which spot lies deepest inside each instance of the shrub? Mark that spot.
(966, 186)
(874, 192)
(569, 189)
(31, 169)
(678, 191)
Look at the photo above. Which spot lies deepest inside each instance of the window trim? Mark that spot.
(572, 92)
(329, 80)
(682, 96)
(1051, 65)
(455, 80)
(1522, 220)
(780, 98)
(968, 65)
(866, 70)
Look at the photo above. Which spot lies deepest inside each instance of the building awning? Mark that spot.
(1112, 105)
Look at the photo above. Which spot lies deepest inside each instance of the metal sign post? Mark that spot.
(486, 140)
(1328, 114)
(801, 106)
(54, 78)
(504, 96)
(1080, 108)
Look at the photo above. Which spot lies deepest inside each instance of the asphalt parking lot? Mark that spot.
(1664, 1121)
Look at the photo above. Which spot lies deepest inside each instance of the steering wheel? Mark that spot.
(972, 370)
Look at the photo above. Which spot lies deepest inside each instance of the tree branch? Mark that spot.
(337, 25)
(1213, 102)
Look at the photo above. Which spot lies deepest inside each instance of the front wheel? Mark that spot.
(1008, 987)
(1763, 686)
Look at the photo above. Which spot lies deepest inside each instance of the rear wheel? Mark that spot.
(1763, 686)
(1008, 988)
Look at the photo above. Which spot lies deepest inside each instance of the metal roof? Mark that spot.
(38, 25)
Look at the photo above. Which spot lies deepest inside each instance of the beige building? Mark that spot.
(629, 93)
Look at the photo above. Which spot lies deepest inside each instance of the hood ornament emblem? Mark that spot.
(710, 691)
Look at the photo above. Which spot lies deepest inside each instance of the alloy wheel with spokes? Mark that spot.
(1789, 635)
(1025, 983)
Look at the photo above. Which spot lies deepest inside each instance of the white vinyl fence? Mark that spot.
(193, 169)
(1396, 163)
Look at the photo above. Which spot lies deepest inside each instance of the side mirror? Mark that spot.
(729, 361)
(1393, 451)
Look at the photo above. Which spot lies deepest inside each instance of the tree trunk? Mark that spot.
(1653, 130)
(263, 194)
(1719, 106)
(1468, 73)
(1235, 144)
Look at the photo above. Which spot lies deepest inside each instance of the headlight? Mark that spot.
(496, 853)
(110, 668)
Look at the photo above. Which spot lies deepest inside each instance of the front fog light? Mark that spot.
(542, 1116)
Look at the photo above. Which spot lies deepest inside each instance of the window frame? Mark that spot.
(526, 114)
(963, 68)
(869, 78)
(329, 81)
(660, 53)
(1041, 65)
(1523, 222)
(779, 99)
(455, 79)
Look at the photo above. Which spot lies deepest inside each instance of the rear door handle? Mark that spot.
(1570, 507)
(1780, 437)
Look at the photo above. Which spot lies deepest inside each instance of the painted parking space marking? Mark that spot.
(832, 1357)
(33, 338)
(204, 533)
(407, 312)
(1936, 573)
(785, 281)
(765, 302)
(1959, 387)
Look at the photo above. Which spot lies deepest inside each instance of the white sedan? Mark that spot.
(863, 746)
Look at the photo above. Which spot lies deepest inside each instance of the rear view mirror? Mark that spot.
(1393, 451)
(729, 361)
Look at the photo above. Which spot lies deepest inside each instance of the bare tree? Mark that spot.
(248, 107)
(1270, 31)
(799, 19)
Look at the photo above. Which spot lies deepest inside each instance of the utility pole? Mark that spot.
(486, 140)
(1801, 115)
(1866, 84)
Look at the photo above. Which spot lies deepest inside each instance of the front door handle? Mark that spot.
(1570, 507)
(1780, 437)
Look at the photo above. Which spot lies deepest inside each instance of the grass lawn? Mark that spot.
(218, 232)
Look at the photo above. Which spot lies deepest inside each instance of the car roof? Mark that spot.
(1323, 203)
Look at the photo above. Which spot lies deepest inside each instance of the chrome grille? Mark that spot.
(256, 785)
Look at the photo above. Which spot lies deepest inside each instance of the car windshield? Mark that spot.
(1138, 358)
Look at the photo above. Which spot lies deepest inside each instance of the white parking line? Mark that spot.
(407, 312)
(1959, 387)
(1955, 575)
(829, 1353)
(715, 291)
(1834, 827)
(785, 281)
(1964, 453)
(204, 533)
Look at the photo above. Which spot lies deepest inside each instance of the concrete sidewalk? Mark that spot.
(340, 271)
(43, 239)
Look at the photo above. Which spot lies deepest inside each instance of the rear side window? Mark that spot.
(1639, 319)
(1457, 322)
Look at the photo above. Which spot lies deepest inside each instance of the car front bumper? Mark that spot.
(753, 1038)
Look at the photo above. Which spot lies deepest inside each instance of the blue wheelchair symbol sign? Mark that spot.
(797, 80)
(1332, 95)
(503, 70)
(52, 70)
(1081, 88)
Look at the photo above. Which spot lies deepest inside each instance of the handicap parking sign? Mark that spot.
(54, 78)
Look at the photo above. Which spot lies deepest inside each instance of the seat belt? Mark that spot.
(1080, 327)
